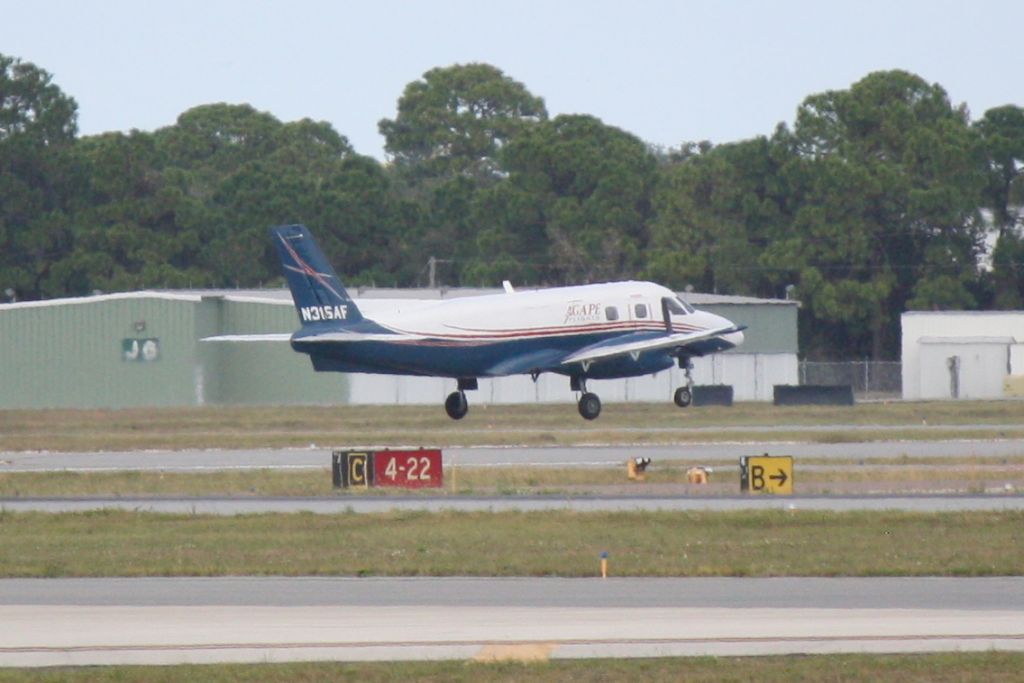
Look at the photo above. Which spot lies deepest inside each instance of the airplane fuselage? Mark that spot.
(518, 332)
(605, 331)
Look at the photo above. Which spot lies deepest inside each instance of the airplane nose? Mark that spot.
(734, 338)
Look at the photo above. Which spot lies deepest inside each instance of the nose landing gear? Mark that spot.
(456, 404)
(684, 395)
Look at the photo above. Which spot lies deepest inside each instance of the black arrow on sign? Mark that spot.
(780, 477)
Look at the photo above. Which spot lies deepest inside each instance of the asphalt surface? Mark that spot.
(988, 593)
(320, 457)
(165, 621)
(378, 504)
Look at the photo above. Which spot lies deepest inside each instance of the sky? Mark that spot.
(667, 72)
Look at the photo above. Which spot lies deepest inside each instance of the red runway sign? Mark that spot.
(408, 469)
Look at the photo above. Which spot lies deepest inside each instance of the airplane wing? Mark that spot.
(620, 347)
(525, 362)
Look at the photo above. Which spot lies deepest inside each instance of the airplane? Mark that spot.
(598, 331)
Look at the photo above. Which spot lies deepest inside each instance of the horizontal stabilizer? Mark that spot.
(280, 337)
(346, 336)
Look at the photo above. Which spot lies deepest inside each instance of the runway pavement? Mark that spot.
(365, 504)
(164, 621)
(198, 460)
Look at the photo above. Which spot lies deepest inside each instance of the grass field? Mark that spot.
(750, 543)
(984, 667)
(637, 423)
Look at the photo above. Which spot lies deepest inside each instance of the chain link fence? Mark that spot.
(868, 377)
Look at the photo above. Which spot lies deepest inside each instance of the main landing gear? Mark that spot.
(456, 404)
(684, 395)
(589, 404)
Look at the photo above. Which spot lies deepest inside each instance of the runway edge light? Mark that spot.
(635, 468)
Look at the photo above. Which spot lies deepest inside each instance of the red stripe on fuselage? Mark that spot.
(533, 333)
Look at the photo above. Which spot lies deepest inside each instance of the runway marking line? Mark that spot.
(513, 645)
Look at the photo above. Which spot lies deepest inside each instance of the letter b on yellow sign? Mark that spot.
(767, 474)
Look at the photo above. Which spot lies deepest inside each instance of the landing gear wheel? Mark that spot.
(590, 406)
(683, 397)
(456, 405)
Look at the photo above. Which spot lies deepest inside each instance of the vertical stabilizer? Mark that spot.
(319, 295)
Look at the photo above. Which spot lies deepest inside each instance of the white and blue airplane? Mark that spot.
(601, 331)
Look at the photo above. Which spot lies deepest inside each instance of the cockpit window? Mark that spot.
(677, 306)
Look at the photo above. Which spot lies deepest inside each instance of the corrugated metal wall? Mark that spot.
(254, 373)
(75, 355)
(752, 376)
(771, 328)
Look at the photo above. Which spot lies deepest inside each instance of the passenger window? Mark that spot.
(611, 313)
(641, 310)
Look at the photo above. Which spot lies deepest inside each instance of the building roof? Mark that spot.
(944, 313)
(967, 340)
(282, 295)
(429, 294)
(700, 299)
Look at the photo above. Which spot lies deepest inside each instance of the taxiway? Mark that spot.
(177, 620)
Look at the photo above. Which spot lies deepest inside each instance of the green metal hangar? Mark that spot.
(144, 349)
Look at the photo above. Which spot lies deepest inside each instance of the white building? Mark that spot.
(963, 354)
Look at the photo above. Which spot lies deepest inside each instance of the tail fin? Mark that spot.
(318, 293)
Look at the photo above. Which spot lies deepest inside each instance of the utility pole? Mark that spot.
(432, 270)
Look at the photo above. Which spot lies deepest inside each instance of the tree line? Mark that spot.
(880, 198)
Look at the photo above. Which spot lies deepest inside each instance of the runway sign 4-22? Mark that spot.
(421, 468)
(407, 469)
